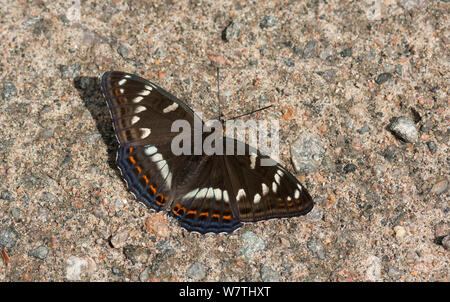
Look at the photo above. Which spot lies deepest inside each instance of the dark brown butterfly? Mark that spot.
(207, 193)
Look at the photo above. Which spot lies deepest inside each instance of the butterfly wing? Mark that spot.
(262, 188)
(215, 193)
(142, 115)
(228, 190)
(203, 204)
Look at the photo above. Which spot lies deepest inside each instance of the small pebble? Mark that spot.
(124, 50)
(47, 133)
(15, 212)
(8, 237)
(157, 224)
(310, 50)
(289, 62)
(117, 271)
(395, 273)
(363, 130)
(440, 187)
(145, 274)
(48, 197)
(307, 153)
(136, 254)
(400, 232)
(6, 196)
(77, 267)
(316, 247)
(268, 274)
(268, 21)
(70, 71)
(404, 128)
(119, 240)
(384, 77)
(232, 31)
(349, 168)
(346, 52)
(446, 242)
(373, 272)
(196, 271)
(40, 252)
(432, 147)
(442, 229)
(163, 246)
(9, 91)
(251, 243)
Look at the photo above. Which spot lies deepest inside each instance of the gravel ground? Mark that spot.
(360, 89)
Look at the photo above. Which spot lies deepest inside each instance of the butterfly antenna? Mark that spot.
(251, 112)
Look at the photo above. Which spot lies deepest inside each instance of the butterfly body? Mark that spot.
(206, 193)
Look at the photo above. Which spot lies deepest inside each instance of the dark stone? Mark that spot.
(6, 196)
(432, 147)
(9, 90)
(384, 77)
(346, 53)
(268, 21)
(349, 168)
(8, 237)
(232, 31)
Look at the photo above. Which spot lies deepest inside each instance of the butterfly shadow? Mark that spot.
(90, 92)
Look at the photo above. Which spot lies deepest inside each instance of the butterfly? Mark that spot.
(206, 193)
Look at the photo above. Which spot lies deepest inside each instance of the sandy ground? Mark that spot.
(360, 89)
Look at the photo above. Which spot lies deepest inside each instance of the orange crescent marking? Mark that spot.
(139, 169)
(132, 160)
(145, 178)
(191, 212)
(228, 217)
(204, 214)
(153, 189)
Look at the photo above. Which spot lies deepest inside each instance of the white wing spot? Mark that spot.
(252, 161)
(299, 187)
(163, 168)
(210, 193)
(279, 172)
(202, 193)
(144, 92)
(127, 76)
(265, 189)
(257, 198)
(121, 90)
(139, 109)
(274, 187)
(134, 120)
(156, 157)
(146, 132)
(170, 108)
(148, 87)
(297, 194)
(191, 194)
(150, 150)
(241, 194)
(218, 194)
(137, 99)
(289, 198)
(123, 81)
(277, 178)
(225, 196)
